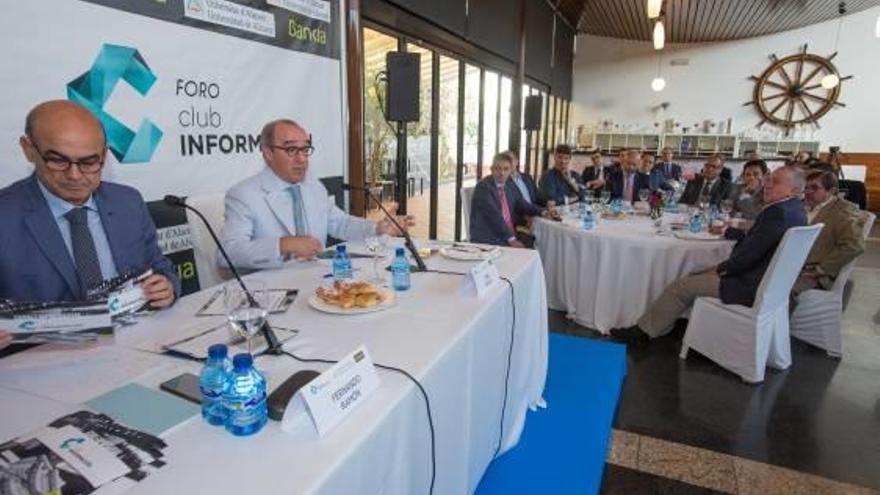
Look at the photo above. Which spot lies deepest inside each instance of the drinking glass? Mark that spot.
(727, 206)
(606, 196)
(644, 194)
(246, 317)
(373, 247)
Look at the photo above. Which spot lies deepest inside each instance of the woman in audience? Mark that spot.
(748, 194)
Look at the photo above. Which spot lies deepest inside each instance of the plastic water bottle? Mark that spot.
(589, 220)
(696, 224)
(212, 382)
(341, 264)
(616, 206)
(400, 271)
(245, 397)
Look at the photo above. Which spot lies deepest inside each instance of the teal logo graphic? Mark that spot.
(114, 305)
(93, 89)
(72, 442)
(27, 325)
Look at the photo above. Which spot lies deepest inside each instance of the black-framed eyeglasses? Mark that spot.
(292, 151)
(61, 163)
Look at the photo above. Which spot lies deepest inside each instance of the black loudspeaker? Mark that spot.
(532, 113)
(402, 97)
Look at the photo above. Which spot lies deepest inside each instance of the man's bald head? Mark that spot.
(59, 134)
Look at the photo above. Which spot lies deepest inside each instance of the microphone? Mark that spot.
(273, 346)
(408, 242)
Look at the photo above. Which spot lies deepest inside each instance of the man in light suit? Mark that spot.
(497, 208)
(840, 240)
(282, 212)
(736, 280)
(64, 229)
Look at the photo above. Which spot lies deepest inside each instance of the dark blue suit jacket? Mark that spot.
(674, 172)
(534, 192)
(555, 187)
(487, 223)
(741, 274)
(34, 262)
(614, 184)
(719, 192)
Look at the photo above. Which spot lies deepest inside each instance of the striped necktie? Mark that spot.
(85, 256)
(299, 218)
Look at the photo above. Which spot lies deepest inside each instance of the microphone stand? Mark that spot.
(273, 345)
(407, 240)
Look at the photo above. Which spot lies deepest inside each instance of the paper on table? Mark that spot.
(279, 301)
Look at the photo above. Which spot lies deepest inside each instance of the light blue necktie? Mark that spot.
(299, 219)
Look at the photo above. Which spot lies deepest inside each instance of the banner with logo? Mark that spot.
(182, 87)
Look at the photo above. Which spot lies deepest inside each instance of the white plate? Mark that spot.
(702, 236)
(464, 252)
(317, 303)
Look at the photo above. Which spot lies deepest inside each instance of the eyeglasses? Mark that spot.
(61, 163)
(292, 151)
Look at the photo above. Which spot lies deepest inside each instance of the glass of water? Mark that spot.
(246, 316)
(644, 194)
(375, 248)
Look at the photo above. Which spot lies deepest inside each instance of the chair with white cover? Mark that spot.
(816, 317)
(204, 249)
(467, 195)
(746, 340)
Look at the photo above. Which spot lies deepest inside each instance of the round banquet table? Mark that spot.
(606, 277)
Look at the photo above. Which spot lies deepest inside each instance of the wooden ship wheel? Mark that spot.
(790, 91)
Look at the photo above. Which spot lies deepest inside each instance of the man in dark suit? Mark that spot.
(710, 185)
(625, 182)
(64, 230)
(666, 167)
(525, 184)
(496, 208)
(560, 184)
(593, 175)
(736, 280)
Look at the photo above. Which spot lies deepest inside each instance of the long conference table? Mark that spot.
(455, 344)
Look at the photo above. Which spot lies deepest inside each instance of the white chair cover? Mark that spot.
(745, 340)
(204, 249)
(816, 318)
(467, 195)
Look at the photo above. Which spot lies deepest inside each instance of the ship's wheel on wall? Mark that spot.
(790, 91)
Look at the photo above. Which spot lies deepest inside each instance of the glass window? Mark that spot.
(380, 139)
(504, 120)
(522, 133)
(418, 150)
(471, 129)
(490, 123)
(447, 135)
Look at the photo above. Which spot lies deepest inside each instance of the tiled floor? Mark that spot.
(691, 427)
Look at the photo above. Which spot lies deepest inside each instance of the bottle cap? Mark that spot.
(217, 351)
(242, 361)
(340, 248)
(399, 252)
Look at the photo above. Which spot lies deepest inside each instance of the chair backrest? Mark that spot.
(467, 195)
(843, 275)
(204, 249)
(786, 264)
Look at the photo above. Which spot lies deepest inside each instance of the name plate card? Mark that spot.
(483, 276)
(335, 393)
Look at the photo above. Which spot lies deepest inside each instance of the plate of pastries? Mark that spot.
(351, 298)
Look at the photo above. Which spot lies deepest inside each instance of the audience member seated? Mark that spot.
(282, 212)
(560, 184)
(524, 182)
(497, 209)
(748, 196)
(667, 168)
(736, 280)
(624, 182)
(708, 186)
(594, 174)
(64, 229)
(656, 179)
(840, 240)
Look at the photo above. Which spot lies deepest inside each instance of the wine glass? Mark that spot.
(373, 246)
(606, 196)
(644, 194)
(246, 315)
(727, 207)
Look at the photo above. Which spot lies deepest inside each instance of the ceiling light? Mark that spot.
(830, 81)
(877, 27)
(654, 7)
(659, 35)
(658, 84)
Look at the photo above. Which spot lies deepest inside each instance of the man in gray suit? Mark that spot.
(282, 212)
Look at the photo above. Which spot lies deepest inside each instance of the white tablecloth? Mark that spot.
(606, 277)
(455, 344)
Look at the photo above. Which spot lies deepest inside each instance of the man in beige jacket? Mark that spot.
(841, 239)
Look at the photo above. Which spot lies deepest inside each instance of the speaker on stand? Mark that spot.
(531, 122)
(402, 71)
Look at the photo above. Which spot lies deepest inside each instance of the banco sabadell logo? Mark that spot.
(93, 89)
